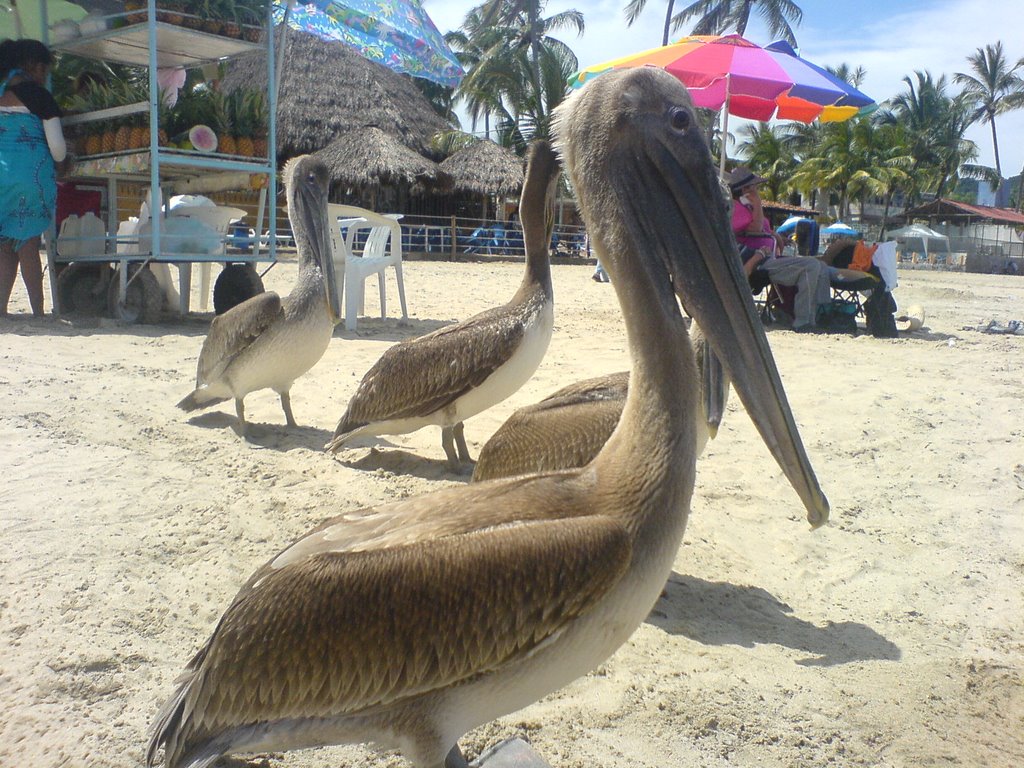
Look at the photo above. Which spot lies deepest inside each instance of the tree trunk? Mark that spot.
(668, 22)
(995, 150)
(535, 64)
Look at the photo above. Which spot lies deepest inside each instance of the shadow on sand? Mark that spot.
(390, 329)
(719, 613)
(401, 462)
(274, 436)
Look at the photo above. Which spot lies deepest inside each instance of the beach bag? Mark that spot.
(879, 315)
(838, 317)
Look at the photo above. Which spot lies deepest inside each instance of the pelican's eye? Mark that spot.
(680, 119)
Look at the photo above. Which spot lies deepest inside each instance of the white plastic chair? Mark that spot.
(219, 218)
(382, 249)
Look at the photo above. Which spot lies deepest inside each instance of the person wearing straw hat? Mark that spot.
(809, 276)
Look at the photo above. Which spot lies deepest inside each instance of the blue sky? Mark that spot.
(888, 38)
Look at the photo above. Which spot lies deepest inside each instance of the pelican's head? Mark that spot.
(307, 183)
(651, 198)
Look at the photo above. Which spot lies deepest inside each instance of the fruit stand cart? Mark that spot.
(141, 152)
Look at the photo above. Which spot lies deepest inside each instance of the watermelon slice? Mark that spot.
(203, 138)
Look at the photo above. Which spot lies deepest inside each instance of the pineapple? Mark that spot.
(244, 124)
(109, 141)
(260, 112)
(171, 13)
(93, 142)
(139, 135)
(135, 5)
(123, 138)
(222, 124)
(211, 14)
(231, 27)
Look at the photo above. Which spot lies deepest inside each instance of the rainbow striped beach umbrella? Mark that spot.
(732, 74)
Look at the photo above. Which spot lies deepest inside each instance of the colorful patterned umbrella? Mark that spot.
(395, 33)
(852, 103)
(742, 79)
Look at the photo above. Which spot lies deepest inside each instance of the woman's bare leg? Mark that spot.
(32, 274)
(8, 271)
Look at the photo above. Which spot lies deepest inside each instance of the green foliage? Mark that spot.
(721, 17)
(517, 71)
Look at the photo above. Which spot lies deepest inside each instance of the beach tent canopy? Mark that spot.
(329, 90)
(919, 232)
(485, 168)
(366, 157)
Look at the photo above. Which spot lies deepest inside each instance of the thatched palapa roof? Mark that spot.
(328, 90)
(368, 156)
(483, 168)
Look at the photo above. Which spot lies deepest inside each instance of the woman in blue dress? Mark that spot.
(31, 142)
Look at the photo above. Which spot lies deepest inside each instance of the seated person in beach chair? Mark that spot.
(809, 277)
(855, 272)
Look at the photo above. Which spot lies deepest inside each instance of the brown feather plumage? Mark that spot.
(351, 631)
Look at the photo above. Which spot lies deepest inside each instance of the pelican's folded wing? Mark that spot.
(233, 332)
(336, 633)
(421, 376)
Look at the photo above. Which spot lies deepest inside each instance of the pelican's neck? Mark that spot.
(533, 210)
(653, 450)
(309, 288)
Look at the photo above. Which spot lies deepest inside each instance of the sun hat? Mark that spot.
(740, 177)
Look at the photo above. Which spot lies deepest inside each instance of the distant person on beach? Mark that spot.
(31, 143)
(761, 249)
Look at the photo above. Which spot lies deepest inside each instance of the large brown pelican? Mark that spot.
(568, 428)
(408, 624)
(458, 371)
(266, 342)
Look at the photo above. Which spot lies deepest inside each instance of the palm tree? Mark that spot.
(635, 7)
(524, 16)
(994, 88)
(471, 44)
(934, 124)
(518, 75)
(768, 150)
(717, 17)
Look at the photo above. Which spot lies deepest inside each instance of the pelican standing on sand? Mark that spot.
(458, 371)
(266, 342)
(409, 624)
(568, 428)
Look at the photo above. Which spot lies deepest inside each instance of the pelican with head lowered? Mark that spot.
(567, 428)
(267, 342)
(458, 371)
(409, 624)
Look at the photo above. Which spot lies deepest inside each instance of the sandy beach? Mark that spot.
(893, 636)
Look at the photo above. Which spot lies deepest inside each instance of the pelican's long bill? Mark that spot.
(309, 197)
(679, 210)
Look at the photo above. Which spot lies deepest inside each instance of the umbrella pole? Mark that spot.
(281, 51)
(725, 130)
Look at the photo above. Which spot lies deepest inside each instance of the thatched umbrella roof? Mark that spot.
(484, 167)
(369, 156)
(327, 90)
